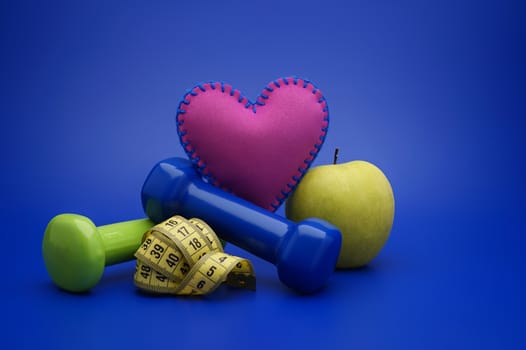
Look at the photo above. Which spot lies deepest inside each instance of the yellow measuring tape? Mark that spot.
(185, 257)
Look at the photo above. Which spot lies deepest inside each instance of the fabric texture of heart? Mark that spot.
(258, 150)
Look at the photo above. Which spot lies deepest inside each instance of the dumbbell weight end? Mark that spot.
(75, 251)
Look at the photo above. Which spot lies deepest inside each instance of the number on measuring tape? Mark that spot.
(171, 222)
(211, 270)
(183, 231)
(145, 271)
(172, 260)
(146, 243)
(195, 243)
(185, 268)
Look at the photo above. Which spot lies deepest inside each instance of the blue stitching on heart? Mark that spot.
(201, 165)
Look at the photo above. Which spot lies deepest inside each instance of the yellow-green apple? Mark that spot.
(357, 198)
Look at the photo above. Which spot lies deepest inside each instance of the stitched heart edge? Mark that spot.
(200, 165)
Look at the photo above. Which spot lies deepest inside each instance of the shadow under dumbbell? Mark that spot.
(222, 293)
(46, 289)
(356, 270)
(118, 276)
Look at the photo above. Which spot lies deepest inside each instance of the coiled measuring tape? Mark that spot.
(185, 257)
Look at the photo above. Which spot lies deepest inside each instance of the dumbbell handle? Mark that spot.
(227, 214)
(264, 230)
(122, 239)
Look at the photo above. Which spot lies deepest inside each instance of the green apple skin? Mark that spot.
(357, 198)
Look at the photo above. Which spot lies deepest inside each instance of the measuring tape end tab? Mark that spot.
(241, 281)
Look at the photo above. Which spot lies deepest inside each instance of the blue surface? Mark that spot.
(430, 91)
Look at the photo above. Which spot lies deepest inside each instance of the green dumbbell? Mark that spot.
(76, 251)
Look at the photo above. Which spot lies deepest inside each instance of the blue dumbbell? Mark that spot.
(304, 253)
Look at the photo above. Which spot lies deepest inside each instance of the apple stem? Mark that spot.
(336, 150)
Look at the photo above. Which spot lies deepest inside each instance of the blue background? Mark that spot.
(432, 92)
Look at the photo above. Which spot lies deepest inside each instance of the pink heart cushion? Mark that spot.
(257, 150)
